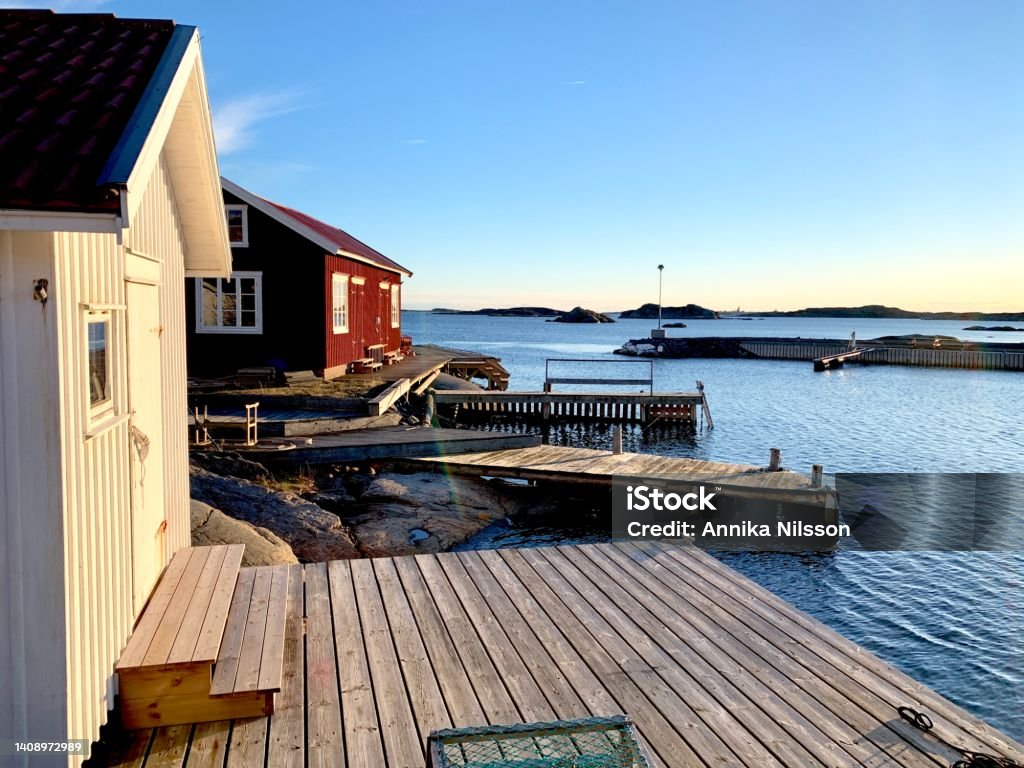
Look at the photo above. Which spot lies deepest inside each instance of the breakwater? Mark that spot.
(924, 352)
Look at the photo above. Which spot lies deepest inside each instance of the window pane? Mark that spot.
(236, 226)
(248, 319)
(210, 302)
(248, 285)
(249, 302)
(229, 285)
(99, 374)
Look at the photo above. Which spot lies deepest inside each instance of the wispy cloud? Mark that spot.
(414, 141)
(234, 121)
(575, 82)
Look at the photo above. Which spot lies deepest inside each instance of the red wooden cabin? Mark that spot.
(303, 295)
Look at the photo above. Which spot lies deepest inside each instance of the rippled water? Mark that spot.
(954, 621)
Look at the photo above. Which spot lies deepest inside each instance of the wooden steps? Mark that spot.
(209, 644)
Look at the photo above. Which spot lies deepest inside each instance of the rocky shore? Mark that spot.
(346, 512)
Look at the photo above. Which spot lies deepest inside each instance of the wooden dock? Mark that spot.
(382, 443)
(714, 670)
(992, 356)
(553, 463)
(575, 406)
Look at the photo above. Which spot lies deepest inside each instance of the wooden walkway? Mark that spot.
(715, 670)
(584, 465)
(395, 442)
(577, 406)
(431, 360)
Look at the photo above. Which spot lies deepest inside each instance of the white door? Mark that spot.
(145, 436)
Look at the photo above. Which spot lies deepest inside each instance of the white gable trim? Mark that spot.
(59, 221)
(257, 202)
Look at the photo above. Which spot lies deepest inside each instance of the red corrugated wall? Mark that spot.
(368, 303)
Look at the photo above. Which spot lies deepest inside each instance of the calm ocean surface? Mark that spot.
(954, 621)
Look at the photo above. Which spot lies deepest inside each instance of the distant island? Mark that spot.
(507, 312)
(881, 311)
(689, 312)
(581, 315)
(1007, 328)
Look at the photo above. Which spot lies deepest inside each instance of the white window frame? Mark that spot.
(339, 280)
(201, 327)
(244, 242)
(396, 305)
(104, 408)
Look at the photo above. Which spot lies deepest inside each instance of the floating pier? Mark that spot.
(829, 362)
(940, 353)
(713, 669)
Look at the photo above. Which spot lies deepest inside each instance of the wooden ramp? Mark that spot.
(828, 362)
(584, 465)
(714, 670)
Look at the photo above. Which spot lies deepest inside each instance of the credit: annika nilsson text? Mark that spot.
(641, 498)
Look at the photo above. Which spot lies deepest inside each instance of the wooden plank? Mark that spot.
(248, 744)
(272, 657)
(174, 614)
(209, 745)
(231, 645)
(192, 622)
(424, 694)
(169, 746)
(722, 731)
(130, 751)
(173, 710)
(146, 682)
(287, 739)
(402, 745)
(142, 636)
(460, 699)
(363, 744)
(379, 404)
(324, 740)
(220, 602)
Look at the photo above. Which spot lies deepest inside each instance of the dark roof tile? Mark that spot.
(68, 85)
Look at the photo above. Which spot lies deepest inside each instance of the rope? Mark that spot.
(922, 722)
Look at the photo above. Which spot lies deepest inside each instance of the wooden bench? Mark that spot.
(393, 357)
(209, 644)
(366, 365)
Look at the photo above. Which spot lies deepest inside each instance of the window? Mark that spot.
(339, 302)
(238, 225)
(99, 357)
(230, 305)
(396, 306)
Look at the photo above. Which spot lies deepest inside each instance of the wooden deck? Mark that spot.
(584, 465)
(431, 360)
(715, 670)
(395, 442)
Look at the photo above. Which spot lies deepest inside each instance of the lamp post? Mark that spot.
(661, 269)
(659, 333)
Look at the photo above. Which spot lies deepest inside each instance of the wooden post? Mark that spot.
(617, 439)
(816, 475)
(428, 417)
(775, 460)
(251, 423)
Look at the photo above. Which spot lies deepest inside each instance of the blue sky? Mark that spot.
(770, 154)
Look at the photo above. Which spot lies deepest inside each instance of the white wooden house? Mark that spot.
(109, 197)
